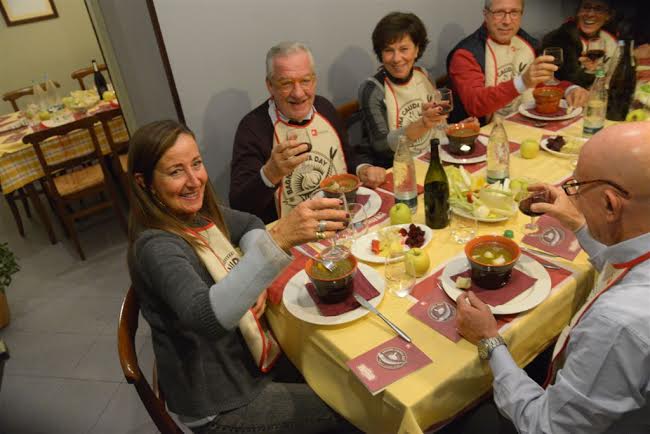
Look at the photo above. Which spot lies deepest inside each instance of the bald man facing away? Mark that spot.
(600, 375)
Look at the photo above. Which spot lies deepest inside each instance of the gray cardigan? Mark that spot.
(203, 363)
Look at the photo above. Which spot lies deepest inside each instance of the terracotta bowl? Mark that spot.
(462, 137)
(331, 287)
(489, 276)
(348, 184)
(547, 99)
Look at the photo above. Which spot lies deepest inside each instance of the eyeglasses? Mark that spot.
(572, 186)
(501, 15)
(286, 85)
(595, 9)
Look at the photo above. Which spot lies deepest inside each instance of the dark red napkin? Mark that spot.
(388, 184)
(550, 125)
(561, 111)
(643, 62)
(387, 201)
(553, 238)
(277, 287)
(360, 285)
(519, 282)
(386, 363)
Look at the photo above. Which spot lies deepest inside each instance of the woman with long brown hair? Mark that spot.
(197, 268)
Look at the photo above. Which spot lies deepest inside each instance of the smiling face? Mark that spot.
(179, 178)
(592, 16)
(293, 85)
(502, 30)
(398, 58)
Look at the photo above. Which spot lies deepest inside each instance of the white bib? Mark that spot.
(404, 105)
(219, 257)
(504, 63)
(326, 158)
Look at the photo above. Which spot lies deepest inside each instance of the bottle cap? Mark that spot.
(508, 233)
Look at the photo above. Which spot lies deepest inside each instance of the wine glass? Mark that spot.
(525, 207)
(558, 59)
(399, 273)
(357, 225)
(595, 51)
(444, 99)
(301, 136)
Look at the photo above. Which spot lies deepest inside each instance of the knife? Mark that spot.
(363, 302)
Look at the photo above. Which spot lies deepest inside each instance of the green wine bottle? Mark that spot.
(436, 191)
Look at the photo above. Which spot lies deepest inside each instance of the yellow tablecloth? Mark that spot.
(456, 377)
(19, 164)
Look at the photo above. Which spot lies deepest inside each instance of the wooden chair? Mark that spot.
(70, 178)
(13, 95)
(153, 402)
(119, 150)
(442, 81)
(79, 74)
(349, 112)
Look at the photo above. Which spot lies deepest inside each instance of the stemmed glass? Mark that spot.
(595, 50)
(558, 59)
(525, 207)
(443, 98)
(301, 135)
(399, 273)
(357, 225)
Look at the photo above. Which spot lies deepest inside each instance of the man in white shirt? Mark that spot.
(600, 374)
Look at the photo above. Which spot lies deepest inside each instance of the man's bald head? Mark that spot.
(619, 154)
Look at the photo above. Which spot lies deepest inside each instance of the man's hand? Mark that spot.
(539, 71)
(475, 320)
(561, 207)
(372, 176)
(285, 156)
(577, 97)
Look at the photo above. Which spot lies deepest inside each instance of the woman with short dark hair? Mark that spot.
(393, 102)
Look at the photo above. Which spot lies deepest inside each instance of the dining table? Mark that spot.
(19, 165)
(455, 379)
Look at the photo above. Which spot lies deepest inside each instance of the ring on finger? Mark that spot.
(321, 225)
(320, 235)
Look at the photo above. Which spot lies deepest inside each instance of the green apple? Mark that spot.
(636, 115)
(529, 148)
(108, 95)
(400, 214)
(417, 262)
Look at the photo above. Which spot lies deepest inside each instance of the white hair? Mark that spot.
(488, 4)
(284, 49)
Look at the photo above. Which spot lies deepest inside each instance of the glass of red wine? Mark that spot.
(525, 207)
(595, 50)
(558, 59)
(443, 98)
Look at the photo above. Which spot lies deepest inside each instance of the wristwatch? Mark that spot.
(487, 345)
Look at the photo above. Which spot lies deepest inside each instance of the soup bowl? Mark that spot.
(485, 273)
(547, 99)
(345, 183)
(462, 137)
(332, 286)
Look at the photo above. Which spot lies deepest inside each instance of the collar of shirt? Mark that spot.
(274, 113)
(625, 251)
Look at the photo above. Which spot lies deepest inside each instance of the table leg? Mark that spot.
(42, 213)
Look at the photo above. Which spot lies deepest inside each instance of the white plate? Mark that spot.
(362, 246)
(51, 123)
(544, 145)
(525, 107)
(298, 301)
(371, 207)
(467, 215)
(523, 302)
(448, 158)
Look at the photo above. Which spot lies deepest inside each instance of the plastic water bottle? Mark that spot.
(594, 119)
(405, 185)
(498, 154)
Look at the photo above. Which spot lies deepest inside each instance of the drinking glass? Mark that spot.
(444, 98)
(300, 135)
(399, 273)
(462, 229)
(357, 225)
(525, 205)
(595, 51)
(558, 59)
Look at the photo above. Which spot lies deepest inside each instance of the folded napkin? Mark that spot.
(277, 287)
(360, 285)
(519, 282)
(548, 125)
(553, 238)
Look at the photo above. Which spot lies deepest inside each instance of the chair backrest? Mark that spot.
(442, 81)
(106, 117)
(127, 326)
(79, 74)
(13, 95)
(348, 112)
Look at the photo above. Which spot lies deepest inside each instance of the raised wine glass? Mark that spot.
(443, 98)
(301, 136)
(595, 51)
(525, 207)
(558, 59)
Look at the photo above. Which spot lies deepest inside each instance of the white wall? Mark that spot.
(217, 49)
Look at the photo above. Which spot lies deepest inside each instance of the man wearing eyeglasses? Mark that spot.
(495, 68)
(600, 374)
(285, 147)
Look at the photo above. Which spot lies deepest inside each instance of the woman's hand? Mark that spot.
(431, 115)
(309, 220)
